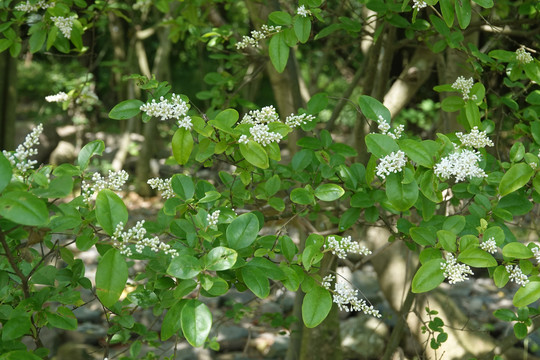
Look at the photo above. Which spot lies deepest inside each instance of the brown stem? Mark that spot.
(13, 263)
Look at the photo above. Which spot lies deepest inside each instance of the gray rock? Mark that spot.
(363, 337)
(232, 337)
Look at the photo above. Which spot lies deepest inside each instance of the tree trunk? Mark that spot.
(8, 100)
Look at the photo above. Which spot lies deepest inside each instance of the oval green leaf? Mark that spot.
(220, 258)
(477, 257)
(111, 277)
(517, 250)
(515, 178)
(184, 267)
(5, 172)
(316, 306)
(242, 231)
(182, 145)
(279, 52)
(428, 276)
(126, 109)
(255, 154)
(110, 210)
(89, 150)
(256, 281)
(196, 322)
(329, 192)
(24, 208)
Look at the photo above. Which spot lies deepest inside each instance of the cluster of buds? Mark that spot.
(60, 97)
(163, 186)
(346, 298)
(393, 163)
(64, 24)
(489, 245)
(384, 127)
(29, 7)
(475, 139)
(465, 86)
(419, 4)
(257, 35)
(302, 11)
(213, 218)
(455, 272)
(114, 181)
(260, 131)
(536, 252)
(137, 235)
(345, 246)
(523, 56)
(176, 109)
(516, 275)
(19, 158)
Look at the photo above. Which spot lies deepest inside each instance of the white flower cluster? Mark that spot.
(19, 158)
(392, 163)
(114, 181)
(64, 24)
(345, 246)
(516, 275)
(136, 235)
(29, 7)
(464, 85)
(302, 11)
(261, 134)
(297, 120)
(176, 108)
(256, 36)
(60, 97)
(418, 4)
(476, 139)
(536, 252)
(346, 298)
(267, 114)
(384, 127)
(523, 56)
(163, 186)
(243, 139)
(489, 245)
(462, 164)
(213, 218)
(455, 272)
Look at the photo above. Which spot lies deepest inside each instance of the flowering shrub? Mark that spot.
(206, 239)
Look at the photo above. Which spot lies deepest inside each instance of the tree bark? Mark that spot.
(8, 100)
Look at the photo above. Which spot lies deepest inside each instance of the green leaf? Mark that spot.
(372, 108)
(423, 236)
(279, 52)
(89, 150)
(302, 28)
(280, 18)
(225, 119)
(401, 196)
(277, 203)
(447, 11)
(172, 321)
(196, 322)
(500, 276)
(527, 294)
(463, 13)
(505, 315)
(520, 330)
(183, 186)
(517, 250)
(126, 109)
(329, 192)
(272, 185)
(311, 255)
(486, 4)
(220, 258)
(19, 354)
(421, 152)
(428, 276)
(302, 196)
(317, 103)
(110, 210)
(63, 319)
(447, 240)
(454, 223)
(256, 281)
(349, 218)
(515, 178)
(288, 247)
(111, 277)
(24, 208)
(242, 231)
(37, 39)
(452, 103)
(316, 305)
(496, 233)
(184, 266)
(477, 257)
(381, 145)
(255, 154)
(182, 145)
(472, 114)
(270, 269)
(16, 328)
